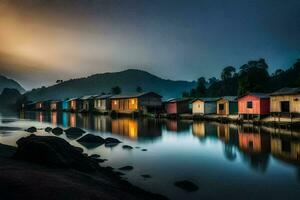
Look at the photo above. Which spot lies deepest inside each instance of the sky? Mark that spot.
(42, 41)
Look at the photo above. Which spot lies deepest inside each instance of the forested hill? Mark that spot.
(250, 77)
(128, 81)
(9, 83)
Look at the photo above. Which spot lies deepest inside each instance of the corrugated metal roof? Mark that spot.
(179, 100)
(286, 91)
(207, 99)
(133, 95)
(104, 96)
(87, 97)
(229, 98)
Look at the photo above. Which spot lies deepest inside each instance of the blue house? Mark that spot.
(65, 105)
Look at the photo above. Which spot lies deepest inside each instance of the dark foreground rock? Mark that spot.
(48, 129)
(111, 142)
(126, 168)
(146, 176)
(187, 185)
(90, 138)
(74, 131)
(31, 130)
(8, 128)
(52, 151)
(57, 131)
(27, 180)
(127, 147)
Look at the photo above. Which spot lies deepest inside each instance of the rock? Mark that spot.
(187, 185)
(99, 160)
(137, 147)
(31, 130)
(127, 147)
(89, 138)
(126, 168)
(8, 128)
(111, 142)
(57, 131)
(146, 176)
(48, 129)
(79, 149)
(94, 156)
(53, 152)
(74, 131)
(144, 150)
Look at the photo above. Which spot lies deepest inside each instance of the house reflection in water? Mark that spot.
(286, 148)
(177, 125)
(255, 145)
(136, 128)
(54, 118)
(198, 129)
(125, 127)
(102, 123)
(65, 119)
(73, 120)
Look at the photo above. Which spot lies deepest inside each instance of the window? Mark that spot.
(249, 104)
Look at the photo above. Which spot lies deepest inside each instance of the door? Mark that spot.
(222, 108)
(285, 106)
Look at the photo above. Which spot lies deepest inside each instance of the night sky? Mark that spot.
(45, 40)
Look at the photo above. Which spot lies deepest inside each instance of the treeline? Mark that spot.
(250, 77)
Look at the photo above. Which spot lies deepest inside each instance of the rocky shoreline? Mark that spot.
(48, 167)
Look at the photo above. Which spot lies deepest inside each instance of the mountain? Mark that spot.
(127, 80)
(9, 83)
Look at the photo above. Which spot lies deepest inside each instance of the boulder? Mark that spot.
(53, 152)
(90, 138)
(48, 129)
(144, 150)
(31, 129)
(187, 185)
(57, 131)
(126, 168)
(110, 140)
(127, 147)
(146, 176)
(94, 156)
(74, 131)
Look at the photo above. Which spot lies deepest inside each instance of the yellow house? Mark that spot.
(145, 102)
(203, 106)
(285, 100)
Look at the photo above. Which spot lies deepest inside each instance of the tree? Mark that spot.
(139, 89)
(59, 81)
(227, 73)
(116, 90)
(253, 77)
(201, 88)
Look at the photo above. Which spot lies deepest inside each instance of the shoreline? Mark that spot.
(28, 180)
(270, 121)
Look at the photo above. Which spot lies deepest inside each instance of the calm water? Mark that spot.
(224, 160)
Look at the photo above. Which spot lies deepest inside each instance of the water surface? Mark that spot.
(224, 160)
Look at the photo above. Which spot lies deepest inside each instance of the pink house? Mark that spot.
(178, 106)
(253, 104)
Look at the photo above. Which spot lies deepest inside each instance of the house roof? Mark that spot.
(87, 97)
(134, 95)
(259, 95)
(104, 96)
(229, 98)
(75, 98)
(178, 100)
(206, 99)
(286, 91)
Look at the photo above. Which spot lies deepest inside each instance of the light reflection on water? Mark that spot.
(224, 160)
